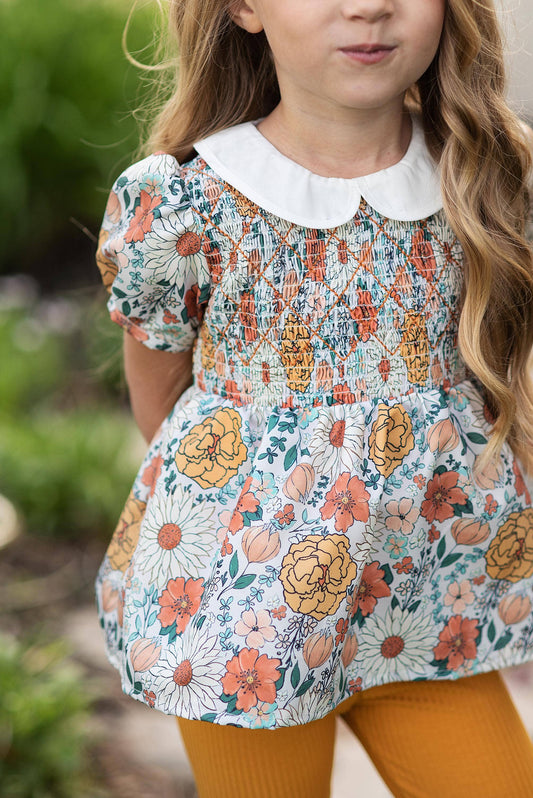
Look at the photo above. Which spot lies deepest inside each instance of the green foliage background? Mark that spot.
(67, 93)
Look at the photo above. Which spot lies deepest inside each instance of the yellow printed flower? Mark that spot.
(126, 535)
(414, 347)
(316, 573)
(510, 554)
(108, 269)
(391, 438)
(213, 450)
(208, 349)
(297, 353)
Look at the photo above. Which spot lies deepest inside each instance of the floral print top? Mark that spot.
(305, 523)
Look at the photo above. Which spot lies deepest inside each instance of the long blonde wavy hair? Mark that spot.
(223, 75)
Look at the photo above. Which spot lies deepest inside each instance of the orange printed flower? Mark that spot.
(227, 547)
(419, 480)
(285, 516)
(347, 500)
(195, 308)
(441, 494)
(510, 554)
(143, 218)
(405, 566)
(247, 503)
(152, 473)
(252, 677)
(259, 544)
(433, 533)
(423, 257)
(169, 318)
(130, 324)
(213, 450)
(391, 438)
(316, 573)
(514, 608)
(144, 653)
(442, 437)
(317, 649)
(459, 595)
(491, 505)
(179, 601)
(365, 314)
(279, 612)
(315, 256)
(457, 641)
(126, 535)
(341, 628)
(469, 531)
(248, 316)
(519, 484)
(371, 587)
(342, 394)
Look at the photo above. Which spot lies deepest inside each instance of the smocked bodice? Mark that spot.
(302, 316)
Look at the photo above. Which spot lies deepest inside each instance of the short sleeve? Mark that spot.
(150, 256)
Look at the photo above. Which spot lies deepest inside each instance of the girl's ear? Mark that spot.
(243, 13)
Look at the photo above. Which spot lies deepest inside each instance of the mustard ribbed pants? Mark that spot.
(428, 739)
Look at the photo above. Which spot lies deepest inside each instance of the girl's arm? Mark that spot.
(155, 381)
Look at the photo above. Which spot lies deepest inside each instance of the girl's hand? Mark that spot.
(155, 381)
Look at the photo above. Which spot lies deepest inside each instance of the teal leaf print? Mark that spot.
(243, 581)
(290, 458)
(126, 308)
(295, 676)
(475, 437)
(441, 548)
(491, 631)
(209, 717)
(304, 687)
(450, 559)
(503, 640)
(234, 566)
(463, 509)
(280, 682)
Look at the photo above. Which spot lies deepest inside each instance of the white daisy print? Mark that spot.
(398, 646)
(187, 677)
(336, 444)
(178, 537)
(172, 249)
(312, 705)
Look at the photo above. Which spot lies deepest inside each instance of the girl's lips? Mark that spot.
(368, 57)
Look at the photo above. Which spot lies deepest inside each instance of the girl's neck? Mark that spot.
(347, 146)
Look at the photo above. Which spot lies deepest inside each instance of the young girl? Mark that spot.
(334, 517)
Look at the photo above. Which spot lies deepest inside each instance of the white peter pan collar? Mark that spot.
(409, 190)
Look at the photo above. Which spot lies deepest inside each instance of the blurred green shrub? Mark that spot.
(68, 453)
(44, 714)
(70, 473)
(66, 93)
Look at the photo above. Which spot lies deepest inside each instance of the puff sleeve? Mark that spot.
(150, 256)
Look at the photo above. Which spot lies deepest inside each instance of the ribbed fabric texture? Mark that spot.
(428, 739)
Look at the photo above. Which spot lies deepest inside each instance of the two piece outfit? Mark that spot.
(305, 525)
